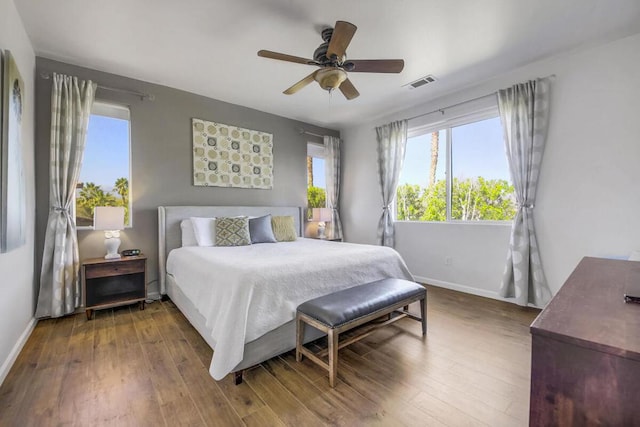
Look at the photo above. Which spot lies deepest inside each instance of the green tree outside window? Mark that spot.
(92, 195)
(471, 200)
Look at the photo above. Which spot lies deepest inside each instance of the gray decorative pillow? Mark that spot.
(260, 230)
(232, 231)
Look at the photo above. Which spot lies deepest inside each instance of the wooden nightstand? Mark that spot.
(113, 282)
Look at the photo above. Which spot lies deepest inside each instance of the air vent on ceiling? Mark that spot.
(421, 81)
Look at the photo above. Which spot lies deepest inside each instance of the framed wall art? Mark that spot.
(231, 156)
(12, 179)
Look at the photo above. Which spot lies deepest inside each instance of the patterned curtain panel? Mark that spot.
(392, 143)
(332, 175)
(71, 102)
(524, 112)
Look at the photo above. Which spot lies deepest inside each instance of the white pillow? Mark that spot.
(204, 230)
(188, 235)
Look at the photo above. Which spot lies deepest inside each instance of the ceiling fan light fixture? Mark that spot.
(330, 78)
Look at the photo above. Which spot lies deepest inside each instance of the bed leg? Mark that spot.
(237, 376)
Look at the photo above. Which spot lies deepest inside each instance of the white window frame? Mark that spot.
(116, 111)
(316, 149)
(482, 109)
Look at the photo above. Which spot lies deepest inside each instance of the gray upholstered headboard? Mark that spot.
(169, 218)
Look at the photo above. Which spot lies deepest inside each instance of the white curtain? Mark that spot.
(392, 143)
(71, 102)
(332, 177)
(524, 112)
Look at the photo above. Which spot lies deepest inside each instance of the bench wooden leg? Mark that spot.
(423, 314)
(299, 338)
(333, 356)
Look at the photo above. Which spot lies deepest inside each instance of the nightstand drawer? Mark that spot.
(114, 269)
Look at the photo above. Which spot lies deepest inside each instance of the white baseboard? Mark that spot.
(17, 348)
(469, 290)
(461, 288)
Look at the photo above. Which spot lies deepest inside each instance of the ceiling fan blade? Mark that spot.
(302, 83)
(348, 90)
(342, 35)
(285, 57)
(376, 65)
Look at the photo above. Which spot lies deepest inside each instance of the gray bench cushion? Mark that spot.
(350, 304)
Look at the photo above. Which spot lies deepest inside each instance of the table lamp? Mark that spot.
(321, 216)
(111, 220)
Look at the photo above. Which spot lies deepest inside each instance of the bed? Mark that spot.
(242, 300)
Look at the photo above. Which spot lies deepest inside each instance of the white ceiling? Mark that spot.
(209, 47)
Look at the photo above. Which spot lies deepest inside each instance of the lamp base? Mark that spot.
(112, 244)
(321, 229)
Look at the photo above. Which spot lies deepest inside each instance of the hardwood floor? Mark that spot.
(137, 368)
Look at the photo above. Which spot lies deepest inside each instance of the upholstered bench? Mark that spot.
(344, 310)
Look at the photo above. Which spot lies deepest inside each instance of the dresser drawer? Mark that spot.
(114, 269)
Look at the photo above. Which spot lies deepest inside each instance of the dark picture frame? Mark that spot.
(12, 178)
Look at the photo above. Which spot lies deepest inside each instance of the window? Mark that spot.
(456, 171)
(105, 176)
(316, 185)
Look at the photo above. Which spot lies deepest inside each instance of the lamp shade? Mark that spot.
(108, 218)
(321, 214)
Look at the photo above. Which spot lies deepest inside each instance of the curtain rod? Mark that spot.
(441, 110)
(141, 95)
(302, 131)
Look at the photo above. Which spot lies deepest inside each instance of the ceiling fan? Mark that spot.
(331, 57)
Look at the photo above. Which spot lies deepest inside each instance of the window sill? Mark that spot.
(85, 228)
(471, 223)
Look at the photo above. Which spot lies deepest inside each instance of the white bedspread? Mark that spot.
(244, 292)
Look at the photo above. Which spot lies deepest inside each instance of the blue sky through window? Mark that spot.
(106, 156)
(318, 172)
(477, 150)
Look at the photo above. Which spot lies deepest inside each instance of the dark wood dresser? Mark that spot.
(585, 362)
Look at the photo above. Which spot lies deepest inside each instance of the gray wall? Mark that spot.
(161, 156)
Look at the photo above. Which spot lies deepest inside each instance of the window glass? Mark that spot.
(472, 154)
(422, 191)
(316, 185)
(481, 188)
(105, 175)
